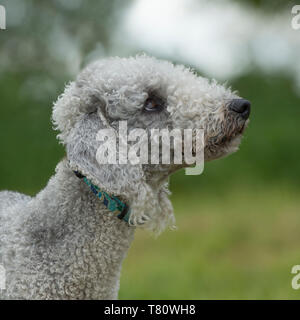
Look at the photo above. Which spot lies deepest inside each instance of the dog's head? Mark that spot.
(145, 94)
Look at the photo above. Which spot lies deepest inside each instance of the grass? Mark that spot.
(238, 246)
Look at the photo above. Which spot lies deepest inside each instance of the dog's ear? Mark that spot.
(80, 116)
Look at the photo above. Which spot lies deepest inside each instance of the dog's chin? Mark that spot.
(243, 127)
(224, 149)
(227, 145)
(233, 144)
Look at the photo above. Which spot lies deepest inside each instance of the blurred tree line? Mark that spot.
(269, 5)
(52, 36)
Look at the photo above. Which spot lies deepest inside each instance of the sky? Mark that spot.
(221, 38)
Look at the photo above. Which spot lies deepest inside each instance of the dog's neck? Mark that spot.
(111, 202)
(79, 238)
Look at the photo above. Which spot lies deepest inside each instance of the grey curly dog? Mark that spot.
(67, 242)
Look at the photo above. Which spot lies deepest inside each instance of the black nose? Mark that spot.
(241, 106)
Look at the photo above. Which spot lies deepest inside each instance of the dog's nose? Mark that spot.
(241, 106)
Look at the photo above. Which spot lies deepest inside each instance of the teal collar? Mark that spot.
(112, 203)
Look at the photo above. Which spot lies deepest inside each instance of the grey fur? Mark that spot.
(63, 243)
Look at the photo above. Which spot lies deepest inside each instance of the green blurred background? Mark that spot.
(238, 223)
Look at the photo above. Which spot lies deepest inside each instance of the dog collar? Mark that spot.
(112, 203)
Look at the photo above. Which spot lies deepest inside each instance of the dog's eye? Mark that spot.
(154, 104)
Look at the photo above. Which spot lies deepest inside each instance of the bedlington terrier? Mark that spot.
(69, 241)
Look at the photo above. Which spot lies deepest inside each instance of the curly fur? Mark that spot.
(63, 243)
